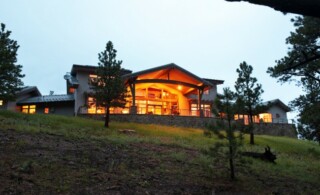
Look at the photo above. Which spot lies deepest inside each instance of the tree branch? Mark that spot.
(302, 7)
(316, 57)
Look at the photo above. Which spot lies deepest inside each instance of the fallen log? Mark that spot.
(266, 156)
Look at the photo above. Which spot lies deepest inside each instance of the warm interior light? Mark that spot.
(179, 87)
(29, 109)
(266, 117)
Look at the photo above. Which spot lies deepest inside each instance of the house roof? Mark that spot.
(90, 69)
(47, 98)
(214, 81)
(171, 74)
(161, 70)
(278, 103)
(29, 89)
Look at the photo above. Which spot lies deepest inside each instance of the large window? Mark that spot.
(29, 109)
(266, 117)
(206, 108)
(153, 100)
(93, 108)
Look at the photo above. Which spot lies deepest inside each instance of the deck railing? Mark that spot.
(177, 112)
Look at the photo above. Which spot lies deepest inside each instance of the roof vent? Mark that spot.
(51, 92)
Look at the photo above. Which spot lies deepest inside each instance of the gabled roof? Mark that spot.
(47, 98)
(161, 70)
(173, 76)
(278, 103)
(29, 89)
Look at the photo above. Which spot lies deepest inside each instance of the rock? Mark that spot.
(127, 131)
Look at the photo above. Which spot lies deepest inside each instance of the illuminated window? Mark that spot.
(71, 90)
(93, 108)
(194, 109)
(266, 117)
(29, 109)
(32, 109)
(25, 109)
(46, 110)
(1, 102)
(92, 78)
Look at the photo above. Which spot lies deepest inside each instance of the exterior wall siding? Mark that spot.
(83, 79)
(274, 110)
(57, 108)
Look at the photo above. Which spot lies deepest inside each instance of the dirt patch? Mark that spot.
(45, 164)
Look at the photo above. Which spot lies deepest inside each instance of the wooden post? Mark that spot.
(200, 93)
(133, 108)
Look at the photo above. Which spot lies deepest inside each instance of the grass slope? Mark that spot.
(55, 154)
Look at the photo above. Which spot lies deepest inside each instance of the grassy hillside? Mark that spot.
(56, 154)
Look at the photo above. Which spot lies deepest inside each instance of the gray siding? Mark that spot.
(276, 110)
(83, 78)
(60, 108)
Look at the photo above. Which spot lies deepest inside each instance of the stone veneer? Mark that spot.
(276, 129)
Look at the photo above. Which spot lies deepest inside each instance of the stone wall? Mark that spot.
(195, 122)
(278, 129)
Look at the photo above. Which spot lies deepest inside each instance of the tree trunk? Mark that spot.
(251, 127)
(231, 161)
(230, 138)
(251, 137)
(106, 121)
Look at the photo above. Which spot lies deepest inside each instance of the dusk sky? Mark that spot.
(209, 38)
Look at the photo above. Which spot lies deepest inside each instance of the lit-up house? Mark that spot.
(163, 90)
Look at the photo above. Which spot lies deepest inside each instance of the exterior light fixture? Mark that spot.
(179, 87)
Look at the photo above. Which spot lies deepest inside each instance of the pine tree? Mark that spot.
(109, 88)
(302, 65)
(10, 72)
(248, 91)
(225, 107)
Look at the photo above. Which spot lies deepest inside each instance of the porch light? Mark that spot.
(179, 87)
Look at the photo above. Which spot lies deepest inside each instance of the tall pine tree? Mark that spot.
(10, 72)
(109, 88)
(225, 106)
(302, 65)
(248, 91)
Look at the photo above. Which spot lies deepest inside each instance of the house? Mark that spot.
(29, 100)
(24, 93)
(163, 90)
(48, 104)
(276, 113)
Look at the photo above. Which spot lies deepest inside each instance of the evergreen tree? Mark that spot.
(248, 93)
(302, 65)
(225, 107)
(303, 57)
(109, 88)
(10, 72)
